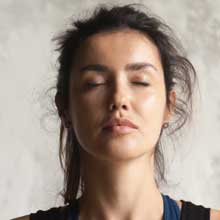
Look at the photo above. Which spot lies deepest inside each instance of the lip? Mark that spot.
(119, 129)
(119, 124)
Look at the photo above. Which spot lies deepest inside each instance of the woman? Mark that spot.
(117, 91)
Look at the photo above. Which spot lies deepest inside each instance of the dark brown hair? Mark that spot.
(178, 71)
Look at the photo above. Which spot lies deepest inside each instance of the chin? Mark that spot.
(120, 151)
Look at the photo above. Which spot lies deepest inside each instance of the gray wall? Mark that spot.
(30, 174)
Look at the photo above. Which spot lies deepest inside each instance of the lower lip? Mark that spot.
(119, 129)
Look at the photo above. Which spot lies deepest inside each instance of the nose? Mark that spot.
(119, 99)
(118, 106)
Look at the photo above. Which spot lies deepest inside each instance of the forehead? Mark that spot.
(117, 48)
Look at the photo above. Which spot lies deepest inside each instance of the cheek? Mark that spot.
(152, 112)
(153, 103)
(85, 115)
(152, 117)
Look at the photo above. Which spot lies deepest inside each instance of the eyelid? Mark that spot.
(92, 84)
(95, 82)
(143, 83)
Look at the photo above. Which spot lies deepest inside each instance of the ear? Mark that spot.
(169, 111)
(62, 111)
(60, 104)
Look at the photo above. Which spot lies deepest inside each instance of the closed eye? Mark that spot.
(142, 83)
(93, 84)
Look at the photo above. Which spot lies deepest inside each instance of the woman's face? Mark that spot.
(119, 62)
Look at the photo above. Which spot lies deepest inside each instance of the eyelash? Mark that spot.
(97, 84)
(142, 83)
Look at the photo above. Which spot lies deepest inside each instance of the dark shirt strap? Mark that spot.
(191, 211)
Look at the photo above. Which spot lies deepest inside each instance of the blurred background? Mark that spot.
(31, 177)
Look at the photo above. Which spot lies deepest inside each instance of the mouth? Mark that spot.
(119, 129)
(120, 122)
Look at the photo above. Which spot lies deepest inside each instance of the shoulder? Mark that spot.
(214, 214)
(179, 203)
(26, 217)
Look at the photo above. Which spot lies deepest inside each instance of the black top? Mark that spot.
(189, 211)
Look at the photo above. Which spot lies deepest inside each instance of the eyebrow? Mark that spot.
(128, 67)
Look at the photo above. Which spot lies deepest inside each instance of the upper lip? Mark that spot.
(119, 121)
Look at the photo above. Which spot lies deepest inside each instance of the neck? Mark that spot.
(124, 190)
